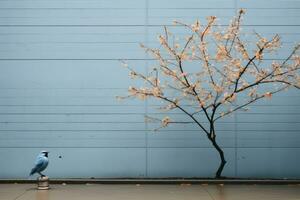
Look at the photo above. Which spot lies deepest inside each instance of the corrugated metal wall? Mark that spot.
(59, 75)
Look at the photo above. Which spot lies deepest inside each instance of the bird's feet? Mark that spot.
(42, 175)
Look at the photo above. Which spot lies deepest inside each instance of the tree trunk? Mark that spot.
(221, 154)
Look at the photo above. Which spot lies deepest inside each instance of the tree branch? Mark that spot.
(251, 101)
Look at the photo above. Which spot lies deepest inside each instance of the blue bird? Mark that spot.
(41, 163)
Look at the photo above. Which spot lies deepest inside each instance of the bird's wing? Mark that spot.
(38, 164)
(39, 160)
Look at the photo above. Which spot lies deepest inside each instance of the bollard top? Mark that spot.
(43, 178)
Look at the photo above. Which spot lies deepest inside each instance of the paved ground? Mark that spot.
(153, 192)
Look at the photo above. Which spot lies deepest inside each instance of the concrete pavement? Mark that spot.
(150, 192)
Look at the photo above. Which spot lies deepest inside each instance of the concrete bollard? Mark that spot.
(43, 183)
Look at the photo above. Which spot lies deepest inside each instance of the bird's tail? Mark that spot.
(32, 171)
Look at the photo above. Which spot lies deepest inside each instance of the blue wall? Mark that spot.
(60, 73)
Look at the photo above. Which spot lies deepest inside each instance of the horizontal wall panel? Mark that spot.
(247, 30)
(271, 17)
(60, 31)
(270, 4)
(192, 4)
(61, 35)
(99, 21)
(273, 109)
(118, 126)
(73, 138)
(191, 127)
(268, 118)
(72, 118)
(88, 16)
(68, 74)
(288, 30)
(97, 118)
(71, 51)
(71, 4)
(68, 14)
(263, 139)
(86, 162)
(74, 100)
(167, 16)
(187, 139)
(70, 110)
(174, 162)
(252, 162)
(84, 126)
(62, 92)
(263, 126)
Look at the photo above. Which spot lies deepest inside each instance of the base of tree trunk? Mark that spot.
(220, 169)
(222, 157)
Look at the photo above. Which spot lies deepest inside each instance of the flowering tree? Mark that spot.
(228, 73)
